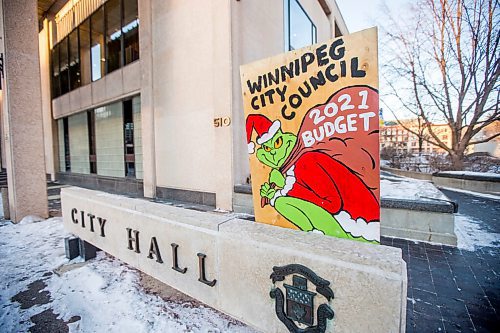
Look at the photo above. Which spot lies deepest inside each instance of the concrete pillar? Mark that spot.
(48, 121)
(23, 129)
(222, 102)
(147, 98)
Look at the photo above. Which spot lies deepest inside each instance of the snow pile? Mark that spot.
(27, 251)
(104, 292)
(410, 189)
(470, 234)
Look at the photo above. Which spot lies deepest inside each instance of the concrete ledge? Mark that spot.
(478, 177)
(369, 281)
(468, 182)
(410, 174)
(438, 206)
(427, 226)
(127, 186)
(197, 197)
(428, 221)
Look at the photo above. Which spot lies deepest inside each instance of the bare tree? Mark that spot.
(444, 67)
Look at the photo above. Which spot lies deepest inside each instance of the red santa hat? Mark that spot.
(263, 126)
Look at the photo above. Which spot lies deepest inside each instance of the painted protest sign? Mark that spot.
(313, 131)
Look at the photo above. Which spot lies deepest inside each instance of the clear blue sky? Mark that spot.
(362, 14)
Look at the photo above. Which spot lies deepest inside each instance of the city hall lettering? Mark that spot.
(87, 220)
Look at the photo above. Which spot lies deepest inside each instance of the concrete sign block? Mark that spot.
(271, 278)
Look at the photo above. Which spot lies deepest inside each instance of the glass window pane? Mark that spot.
(79, 143)
(110, 140)
(64, 76)
(85, 52)
(301, 30)
(74, 60)
(113, 35)
(136, 108)
(128, 128)
(62, 155)
(130, 30)
(97, 44)
(55, 72)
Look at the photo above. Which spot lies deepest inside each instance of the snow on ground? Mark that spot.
(471, 173)
(470, 234)
(408, 188)
(104, 292)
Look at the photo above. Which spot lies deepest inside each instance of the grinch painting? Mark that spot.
(319, 178)
(312, 130)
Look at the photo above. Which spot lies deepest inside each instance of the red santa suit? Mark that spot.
(324, 181)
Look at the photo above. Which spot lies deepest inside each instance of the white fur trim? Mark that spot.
(369, 231)
(276, 196)
(251, 147)
(289, 182)
(272, 130)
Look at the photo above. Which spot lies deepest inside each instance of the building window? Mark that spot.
(109, 140)
(78, 143)
(104, 42)
(64, 66)
(128, 131)
(130, 30)
(67, 158)
(113, 35)
(97, 44)
(74, 60)
(91, 134)
(56, 86)
(300, 30)
(84, 33)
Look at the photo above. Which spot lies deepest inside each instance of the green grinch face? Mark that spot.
(274, 152)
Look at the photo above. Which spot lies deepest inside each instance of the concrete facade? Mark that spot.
(22, 111)
(369, 282)
(188, 76)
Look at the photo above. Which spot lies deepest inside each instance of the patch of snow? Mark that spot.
(472, 173)
(27, 251)
(470, 234)
(31, 219)
(477, 194)
(411, 189)
(105, 292)
(385, 163)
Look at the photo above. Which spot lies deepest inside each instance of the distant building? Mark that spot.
(397, 137)
(491, 147)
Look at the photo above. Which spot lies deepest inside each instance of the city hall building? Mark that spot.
(134, 99)
(143, 97)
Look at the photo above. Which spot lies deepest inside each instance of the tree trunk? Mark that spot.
(457, 160)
